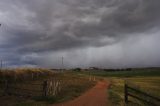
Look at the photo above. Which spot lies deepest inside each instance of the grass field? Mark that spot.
(145, 84)
(24, 74)
(133, 73)
(146, 80)
(72, 85)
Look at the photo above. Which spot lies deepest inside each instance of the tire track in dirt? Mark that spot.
(96, 96)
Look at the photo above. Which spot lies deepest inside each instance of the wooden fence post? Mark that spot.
(45, 88)
(6, 87)
(126, 93)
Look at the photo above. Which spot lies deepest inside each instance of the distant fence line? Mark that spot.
(49, 87)
(139, 95)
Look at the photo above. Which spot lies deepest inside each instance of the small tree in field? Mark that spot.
(77, 69)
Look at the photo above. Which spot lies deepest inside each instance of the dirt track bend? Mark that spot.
(96, 96)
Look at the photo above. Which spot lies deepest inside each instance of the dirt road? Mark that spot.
(96, 96)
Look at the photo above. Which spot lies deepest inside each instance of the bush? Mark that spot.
(77, 69)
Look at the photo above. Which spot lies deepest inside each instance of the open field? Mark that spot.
(146, 80)
(145, 84)
(121, 73)
(74, 83)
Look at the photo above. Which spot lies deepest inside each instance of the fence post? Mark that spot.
(45, 88)
(6, 87)
(125, 93)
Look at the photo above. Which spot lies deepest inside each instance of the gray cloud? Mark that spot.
(60, 26)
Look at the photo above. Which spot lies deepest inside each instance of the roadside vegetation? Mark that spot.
(145, 84)
(72, 85)
(24, 74)
(76, 82)
(145, 79)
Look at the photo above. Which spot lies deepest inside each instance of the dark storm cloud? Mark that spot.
(39, 26)
(59, 24)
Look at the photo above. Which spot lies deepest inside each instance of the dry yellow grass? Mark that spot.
(146, 84)
(19, 74)
(72, 85)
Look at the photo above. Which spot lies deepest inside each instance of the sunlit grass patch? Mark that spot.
(116, 91)
(146, 84)
(21, 74)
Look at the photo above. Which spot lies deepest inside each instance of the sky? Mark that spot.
(87, 33)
